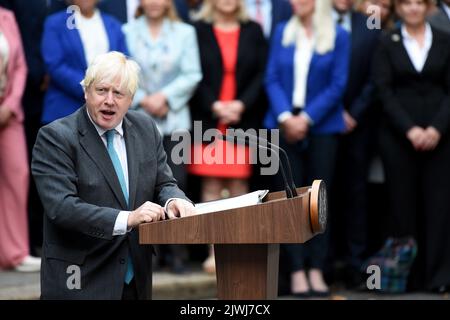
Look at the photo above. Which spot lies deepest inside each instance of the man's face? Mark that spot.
(107, 103)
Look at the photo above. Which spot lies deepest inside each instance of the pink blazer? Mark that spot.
(17, 67)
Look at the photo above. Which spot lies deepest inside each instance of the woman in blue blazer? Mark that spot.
(70, 39)
(305, 80)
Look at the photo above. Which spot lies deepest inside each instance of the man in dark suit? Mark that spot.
(353, 160)
(268, 13)
(101, 172)
(441, 19)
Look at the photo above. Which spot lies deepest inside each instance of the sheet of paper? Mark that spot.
(245, 200)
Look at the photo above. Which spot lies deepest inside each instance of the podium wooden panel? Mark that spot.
(246, 240)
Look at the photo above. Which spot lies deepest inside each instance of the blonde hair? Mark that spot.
(206, 12)
(110, 67)
(323, 25)
(171, 12)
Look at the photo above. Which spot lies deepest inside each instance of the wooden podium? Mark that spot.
(246, 240)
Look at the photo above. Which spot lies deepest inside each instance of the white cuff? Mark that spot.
(121, 225)
(310, 121)
(284, 116)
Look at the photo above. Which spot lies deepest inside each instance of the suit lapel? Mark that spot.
(433, 53)
(92, 143)
(132, 159)
(401, 52)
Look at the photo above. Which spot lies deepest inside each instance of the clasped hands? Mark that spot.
(230, 112)
(150, 212)
(156, 105)
(423, 139)
(295, 128)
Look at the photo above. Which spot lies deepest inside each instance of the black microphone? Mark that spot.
(240, 136)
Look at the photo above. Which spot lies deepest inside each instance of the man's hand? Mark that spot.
(350, 122)
(148, 212)
(180, 208)
(5, 115)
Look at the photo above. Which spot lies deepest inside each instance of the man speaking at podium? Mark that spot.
(101, 172)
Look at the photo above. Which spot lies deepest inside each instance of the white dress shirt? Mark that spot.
(304, 51)
(302, 60)
(93, 35)
(121, 224)
(417, 55)
(266, 14)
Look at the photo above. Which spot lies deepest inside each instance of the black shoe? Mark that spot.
(302, 295)
(320, 294)
(355, 280)
(441, 289)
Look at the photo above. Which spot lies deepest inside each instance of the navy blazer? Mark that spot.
(66, 64)
(116, 8)
(327, 79)
(359, 92)
(281, 11)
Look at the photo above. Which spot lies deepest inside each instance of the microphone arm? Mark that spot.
(290, 190)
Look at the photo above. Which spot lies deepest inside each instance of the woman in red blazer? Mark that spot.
(14, 173)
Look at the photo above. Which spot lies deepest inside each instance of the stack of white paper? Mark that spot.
(245, 200)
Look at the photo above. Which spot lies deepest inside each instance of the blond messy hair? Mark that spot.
(110, 67)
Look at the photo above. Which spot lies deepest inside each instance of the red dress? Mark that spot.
(228, 44)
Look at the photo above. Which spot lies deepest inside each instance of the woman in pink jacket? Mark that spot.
(14, 173)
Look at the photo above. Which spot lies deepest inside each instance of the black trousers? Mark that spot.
(418, 185)
(349, 196)
(311, 159)
(32, 103)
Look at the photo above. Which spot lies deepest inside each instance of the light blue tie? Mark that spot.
(119, 172)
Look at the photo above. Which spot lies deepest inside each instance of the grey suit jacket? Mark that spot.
(82, 197)
(440, 21)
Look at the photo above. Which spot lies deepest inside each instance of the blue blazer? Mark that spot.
(327, 79)
(66, 64)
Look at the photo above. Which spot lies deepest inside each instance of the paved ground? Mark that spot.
(194, 285)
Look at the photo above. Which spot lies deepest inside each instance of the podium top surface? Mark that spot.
(276, 220)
